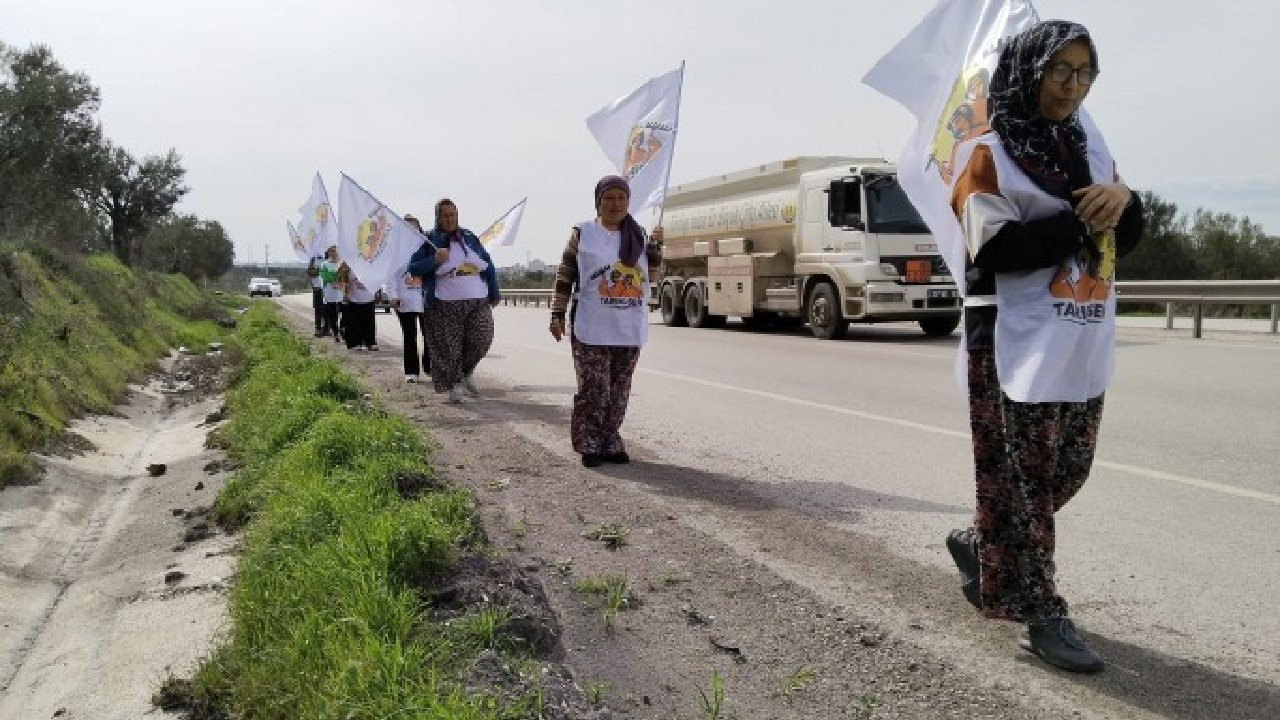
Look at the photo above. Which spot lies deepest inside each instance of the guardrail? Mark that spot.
(1198, 293)
(1171, 293)
(527, 297)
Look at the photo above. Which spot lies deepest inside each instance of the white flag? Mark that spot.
(373, 241)
(503, 232)
(300, 242)
(638, 135)
(940, 71)
(317, 219)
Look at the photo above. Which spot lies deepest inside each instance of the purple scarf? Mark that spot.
(633, 235)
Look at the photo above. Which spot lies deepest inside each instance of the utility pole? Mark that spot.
(266, 260)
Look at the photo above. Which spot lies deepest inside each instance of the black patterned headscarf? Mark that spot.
(1052, 154)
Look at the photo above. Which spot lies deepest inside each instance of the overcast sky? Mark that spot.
(484, 100)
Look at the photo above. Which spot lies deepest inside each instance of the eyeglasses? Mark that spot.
(1062, 72)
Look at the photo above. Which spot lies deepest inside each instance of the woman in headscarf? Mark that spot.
(608, 329)
(1044, 216)
(460, 288)
(405, 292)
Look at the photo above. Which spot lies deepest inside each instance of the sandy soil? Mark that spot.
(109, 579)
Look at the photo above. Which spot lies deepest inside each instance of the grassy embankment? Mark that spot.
(74, 331)
(329, 612)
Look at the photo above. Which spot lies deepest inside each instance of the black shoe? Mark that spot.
(621, 457)
(592, 459)
(963, 546)
(1056, 642)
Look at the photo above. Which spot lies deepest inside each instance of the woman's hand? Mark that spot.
(655, 236)
(442, 256)
(1102, 205)
(557, 328)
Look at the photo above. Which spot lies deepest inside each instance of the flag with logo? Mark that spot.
(638, 135)
(301, 242)
(940, 72)
(503, 232)
(317, 219)
(372, 240)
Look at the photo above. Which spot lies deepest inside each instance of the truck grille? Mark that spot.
(899, 262)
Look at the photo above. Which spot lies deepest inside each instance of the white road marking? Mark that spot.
(1148, 473)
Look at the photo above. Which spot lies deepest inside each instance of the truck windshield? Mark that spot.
(889, 210)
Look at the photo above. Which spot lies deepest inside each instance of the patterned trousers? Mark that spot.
(604, 388)
(1029, 460)
(459, 333)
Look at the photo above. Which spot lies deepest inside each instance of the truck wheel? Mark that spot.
(672, 312)
(695, 310)
(823, 312)
(939, 326)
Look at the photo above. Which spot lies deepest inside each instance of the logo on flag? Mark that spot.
(492, 232)
(371, 233)
(643, 145)
(963, 117)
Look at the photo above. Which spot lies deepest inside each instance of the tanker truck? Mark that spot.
(826, 241)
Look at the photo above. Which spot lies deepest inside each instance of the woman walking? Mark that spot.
(1045, 216)
(605, 259)
(460, 288)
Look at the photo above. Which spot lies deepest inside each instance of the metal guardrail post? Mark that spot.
(1168, 316)
(1198, 325)
(1275, 317)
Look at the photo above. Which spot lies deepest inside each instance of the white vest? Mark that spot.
(612, 297)
(1055, 327)
(407, 289)
(461, 277)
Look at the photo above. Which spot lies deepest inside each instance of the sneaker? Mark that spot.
(359, 348)
(1056, 641)
(621, 457)
(455, 395)
(374, 347)
(411, 378)
(592, 459)
(963, 545)
(470, 386)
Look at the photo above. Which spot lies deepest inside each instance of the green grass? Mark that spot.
(74, 331)
(327, 617)
(607, 595)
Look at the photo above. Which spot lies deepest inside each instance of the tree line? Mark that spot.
(65, 184)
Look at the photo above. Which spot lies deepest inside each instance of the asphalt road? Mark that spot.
(1173, 547)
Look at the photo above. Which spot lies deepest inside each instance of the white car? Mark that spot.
(269, 287)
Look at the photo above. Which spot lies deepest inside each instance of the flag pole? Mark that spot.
(674, 136)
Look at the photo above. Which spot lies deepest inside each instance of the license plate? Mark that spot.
(936, 294)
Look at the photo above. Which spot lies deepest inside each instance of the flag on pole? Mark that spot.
(940, 72)
(372, 240)
(317, 219)
(638, 135)
(502, 233)
(301, 242)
